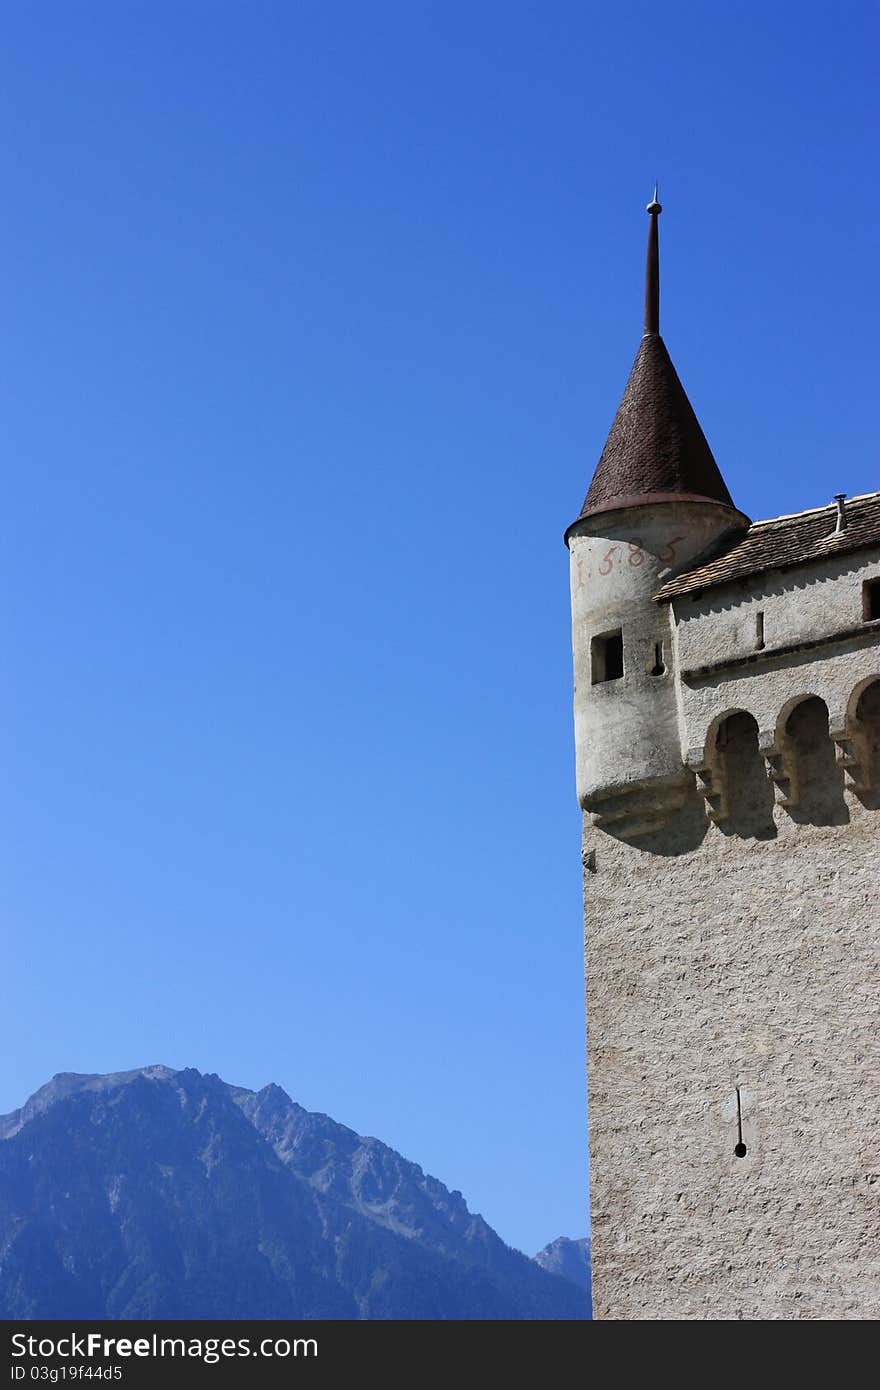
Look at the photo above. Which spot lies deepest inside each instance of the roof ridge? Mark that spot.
(825, 507)
(779, 543)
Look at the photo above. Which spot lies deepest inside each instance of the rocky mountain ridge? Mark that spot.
(169, 1194)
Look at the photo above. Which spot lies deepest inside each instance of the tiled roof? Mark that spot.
(655, 447)
(782, 542)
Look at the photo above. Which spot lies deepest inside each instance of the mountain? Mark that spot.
(170, 1194)
(570, 1259)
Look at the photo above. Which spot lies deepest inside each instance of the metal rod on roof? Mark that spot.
(652, 269)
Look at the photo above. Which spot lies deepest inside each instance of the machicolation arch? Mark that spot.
(802, 765)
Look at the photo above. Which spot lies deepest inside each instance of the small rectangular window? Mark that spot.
(871, 600)
(659, 667)
(606, 653)
(759, 631)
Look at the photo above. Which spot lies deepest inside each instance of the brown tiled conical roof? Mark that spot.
(656, 450)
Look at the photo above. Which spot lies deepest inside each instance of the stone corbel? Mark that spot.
(638, 810)
(781, 769)
(853, 753)
(710, 781)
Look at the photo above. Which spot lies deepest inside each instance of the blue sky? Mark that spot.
(315, 319)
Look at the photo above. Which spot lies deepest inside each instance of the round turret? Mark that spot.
(656, 501)
(625, 705)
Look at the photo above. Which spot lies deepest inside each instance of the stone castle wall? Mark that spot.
(732, 1001)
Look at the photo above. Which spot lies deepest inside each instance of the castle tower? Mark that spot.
(656, 500)
(727, 727)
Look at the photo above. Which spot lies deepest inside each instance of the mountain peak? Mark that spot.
(65, 1084)
(156, 1193)
(567, 1258)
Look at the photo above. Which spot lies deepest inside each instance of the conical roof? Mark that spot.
(656, 450)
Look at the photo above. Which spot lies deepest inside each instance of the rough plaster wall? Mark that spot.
(798, 604)
(716, 961)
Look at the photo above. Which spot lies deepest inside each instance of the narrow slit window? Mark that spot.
(659, 667)
(871, 600)
(759, 631)
(739, 1148)
(607, 657)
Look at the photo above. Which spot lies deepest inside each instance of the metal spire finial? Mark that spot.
(652, 269)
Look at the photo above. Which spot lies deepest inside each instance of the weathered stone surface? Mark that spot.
(717, 961)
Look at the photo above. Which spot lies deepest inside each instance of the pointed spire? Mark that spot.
(655, 451)
(652, 269)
